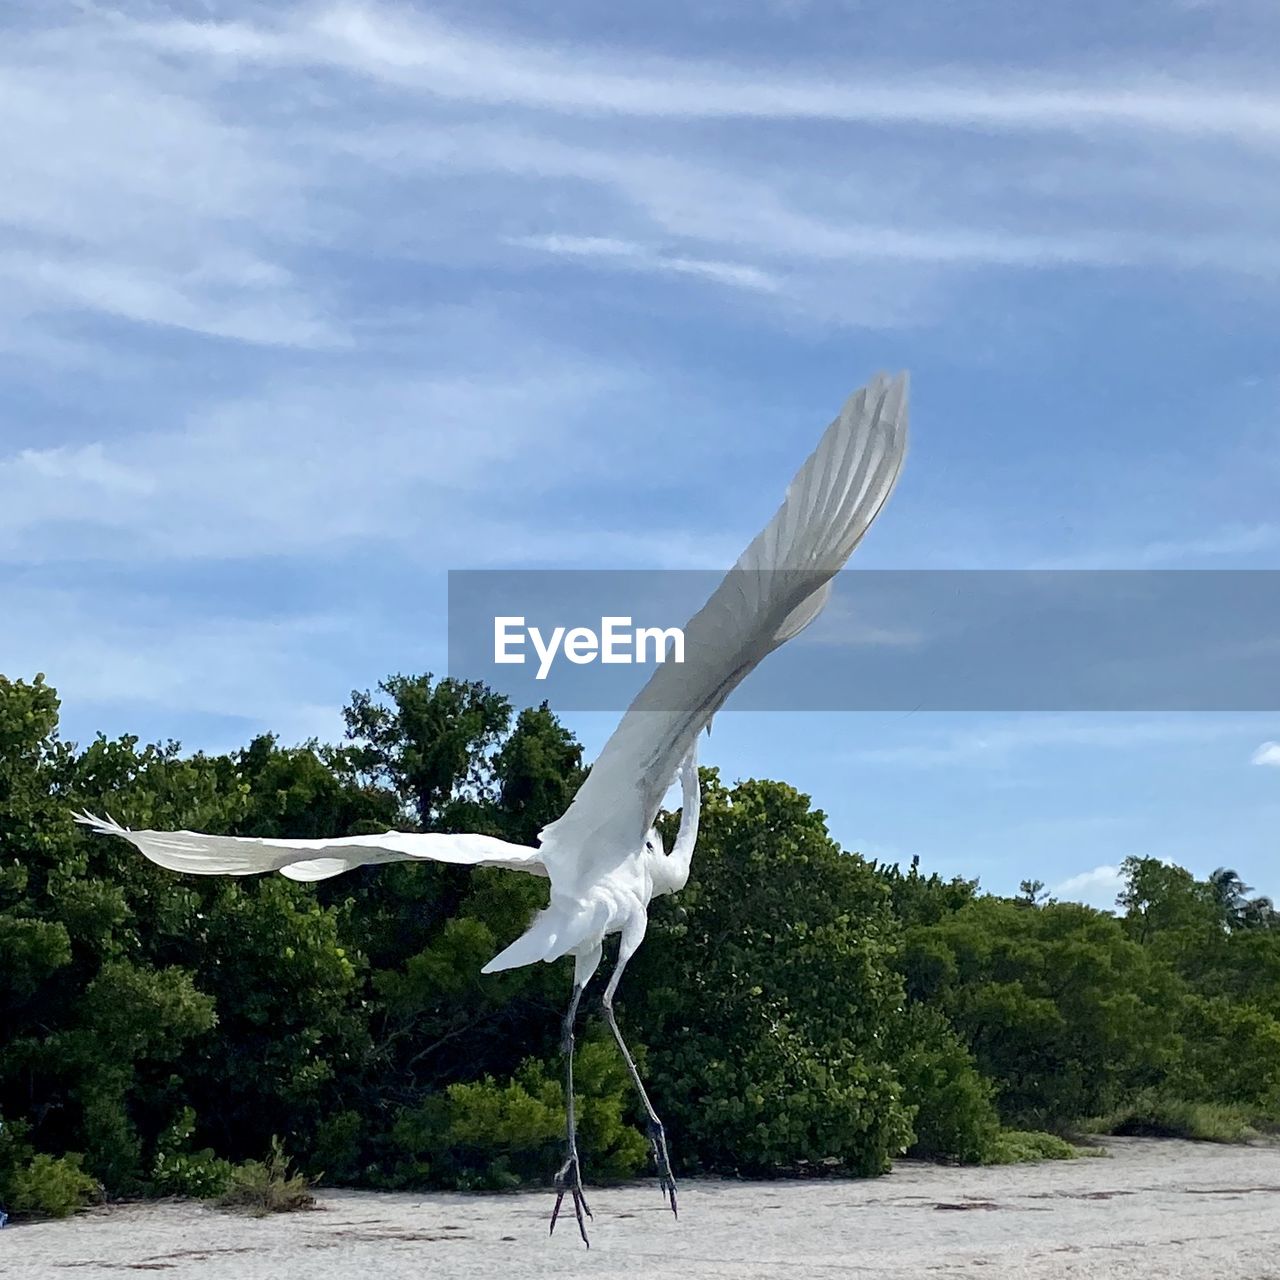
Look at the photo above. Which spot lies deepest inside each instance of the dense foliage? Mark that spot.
(795, 1007)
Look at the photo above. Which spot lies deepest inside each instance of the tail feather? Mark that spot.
(536, 943)
(555, 932)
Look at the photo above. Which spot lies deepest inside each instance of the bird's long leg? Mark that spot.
(632, 936)
(569, 1179)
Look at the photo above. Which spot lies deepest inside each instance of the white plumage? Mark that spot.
(603, 858)
(778, 586)
(202, 855)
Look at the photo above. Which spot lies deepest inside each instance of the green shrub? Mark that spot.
(200, 1175)
(15, 1153)
(790, 1104)
(267, 1186)
(955, 1116)
(338, 1147)
(767, 995)
(51, 1187)
(1154, 1114)
(800, 1008)
(179, 1172)
(1230, 1055)
(491, 1134)
(1062, 1011)
(1013, 1146)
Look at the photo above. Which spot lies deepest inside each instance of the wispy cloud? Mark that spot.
(413, 52)
(630, 256)
(414, 466)
(186, 174)
(132, 198)
(843, 624)
(1230, 542)
(147, 652)
(1267, 753)
(307, 466)
(248, 302)
(1001, 744)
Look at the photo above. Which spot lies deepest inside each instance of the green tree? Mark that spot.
(430, 743)
(1061, 1010)
(919, 899)
(765, 991)
(539, 770)
(1160, 898)
(1031, 893)
(93, 1023)
(794, 1006)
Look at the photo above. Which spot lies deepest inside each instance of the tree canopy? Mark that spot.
(796, 1007)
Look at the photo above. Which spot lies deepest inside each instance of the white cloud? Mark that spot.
(206, 299)
(184, 174)
(1096, 888)
(999, 744)
(136, 650)
(131, 197)
(1267, 753)
(1232, 541)
(917, 201)
(86, 466)
(416, 53)
(630, 256)
(843, 623)
(307, 466)
(420, 467)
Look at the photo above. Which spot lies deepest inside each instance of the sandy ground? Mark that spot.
(1152, 1209)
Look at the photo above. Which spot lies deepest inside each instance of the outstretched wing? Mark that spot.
(203, 855)
(778, 586)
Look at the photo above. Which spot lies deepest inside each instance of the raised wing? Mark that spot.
(203, 855)
(778, 586)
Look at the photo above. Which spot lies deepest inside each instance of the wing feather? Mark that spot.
(204, 855)
(780, 583)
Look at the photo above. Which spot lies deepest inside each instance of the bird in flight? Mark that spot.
(604, 859)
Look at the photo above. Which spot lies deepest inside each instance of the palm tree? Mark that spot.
(1239, 911)
(1230, 893)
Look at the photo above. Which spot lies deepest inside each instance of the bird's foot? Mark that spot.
(569, 1182)
(666, 1180)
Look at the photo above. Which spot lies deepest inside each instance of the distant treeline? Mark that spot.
(796, 1007)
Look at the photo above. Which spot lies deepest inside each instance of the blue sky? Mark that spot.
(302, 305)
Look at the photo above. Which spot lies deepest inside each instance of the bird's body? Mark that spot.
(603, 857)
(577, 922)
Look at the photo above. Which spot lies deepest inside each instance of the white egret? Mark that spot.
(604, 859)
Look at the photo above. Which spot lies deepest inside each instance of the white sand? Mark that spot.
(1153, 1209)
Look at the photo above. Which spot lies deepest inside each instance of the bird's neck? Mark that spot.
(672, 872)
